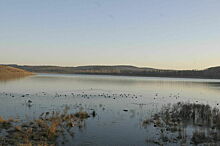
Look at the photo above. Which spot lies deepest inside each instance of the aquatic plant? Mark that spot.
(178, 118)
(41, 131)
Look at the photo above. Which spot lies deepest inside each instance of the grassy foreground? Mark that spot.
(42, 131)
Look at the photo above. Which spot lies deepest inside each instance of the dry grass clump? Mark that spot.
(1, 120)
(5, 124)
(82, 115)
(42, 131)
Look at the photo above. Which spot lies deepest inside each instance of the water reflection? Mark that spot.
(121, 104)
(11, 78)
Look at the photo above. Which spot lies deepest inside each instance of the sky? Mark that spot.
(165, 34)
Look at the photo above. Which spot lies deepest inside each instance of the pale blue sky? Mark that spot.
(174, 34)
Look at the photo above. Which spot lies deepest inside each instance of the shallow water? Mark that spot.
(121, 103)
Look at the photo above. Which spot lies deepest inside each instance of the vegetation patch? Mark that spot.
(185, 123)
(42, 131)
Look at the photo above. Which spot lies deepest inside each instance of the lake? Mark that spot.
(121, 103)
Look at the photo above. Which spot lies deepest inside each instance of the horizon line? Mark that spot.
(103, 65)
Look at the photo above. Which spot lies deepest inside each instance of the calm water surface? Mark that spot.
(121, 103)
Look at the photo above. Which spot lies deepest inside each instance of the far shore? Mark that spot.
(9, 73)
(123, 70)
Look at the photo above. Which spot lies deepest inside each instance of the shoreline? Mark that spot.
(121, 75)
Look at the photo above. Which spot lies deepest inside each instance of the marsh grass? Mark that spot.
(179, 118)
(6, 124)
(41, 131)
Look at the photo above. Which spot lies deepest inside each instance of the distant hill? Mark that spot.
(7, 72)
(124, 70)
(119, 69)
(213, 72)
